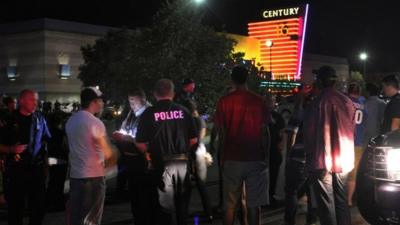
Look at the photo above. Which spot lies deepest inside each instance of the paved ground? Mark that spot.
(118, 212)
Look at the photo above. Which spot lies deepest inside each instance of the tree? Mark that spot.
(356, 76)
(175, 46)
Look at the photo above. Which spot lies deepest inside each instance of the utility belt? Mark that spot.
(175, 158)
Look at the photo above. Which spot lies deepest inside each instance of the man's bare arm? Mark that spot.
(110, 154)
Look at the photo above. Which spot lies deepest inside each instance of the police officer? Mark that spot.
(24, 136)
(166, 134)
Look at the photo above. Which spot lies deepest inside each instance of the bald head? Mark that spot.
(28, 100)
(164, 89)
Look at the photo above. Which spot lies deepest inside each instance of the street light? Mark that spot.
(363, 57)
(199, 1)
(269, 44)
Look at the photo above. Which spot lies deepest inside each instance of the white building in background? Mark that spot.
(44, 55)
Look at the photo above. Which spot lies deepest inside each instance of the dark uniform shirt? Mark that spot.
(167, 127)
(130, 155)
(25, 130)
(183, 96)
(199, 125)
(392, 111)
(24, 123)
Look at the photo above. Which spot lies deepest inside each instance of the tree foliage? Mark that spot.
(175, 46)
(356, 76)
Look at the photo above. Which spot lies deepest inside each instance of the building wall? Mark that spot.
(64, 48)
(27, 53)
(38, 56)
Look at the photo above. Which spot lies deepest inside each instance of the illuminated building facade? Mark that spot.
(281, 35)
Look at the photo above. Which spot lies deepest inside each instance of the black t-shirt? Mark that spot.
(295, 126)
(392, 111)
(276, 127)
(167, 127)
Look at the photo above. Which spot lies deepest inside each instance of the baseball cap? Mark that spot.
(89, 94)
(325, 73)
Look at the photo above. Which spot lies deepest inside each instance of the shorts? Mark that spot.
(358, 150)
(255, 177)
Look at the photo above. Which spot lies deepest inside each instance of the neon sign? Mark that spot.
(285, 28)
(281, 12)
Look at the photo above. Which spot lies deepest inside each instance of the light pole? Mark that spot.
(363, 57)
(269, 44)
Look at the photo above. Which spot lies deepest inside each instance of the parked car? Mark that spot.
(378, 180)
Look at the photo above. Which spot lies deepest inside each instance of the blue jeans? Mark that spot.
(87, 200)
(331, 196)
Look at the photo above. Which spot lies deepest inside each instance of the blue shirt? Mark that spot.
(360, 118)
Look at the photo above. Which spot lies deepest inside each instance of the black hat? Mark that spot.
(326, 73)
(89, 94)
(187, 81)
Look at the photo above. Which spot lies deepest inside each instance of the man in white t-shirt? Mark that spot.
(89, 150)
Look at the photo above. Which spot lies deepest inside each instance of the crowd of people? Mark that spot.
(160, 150)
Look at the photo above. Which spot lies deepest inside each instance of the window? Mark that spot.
(12, 73)
(65, 71)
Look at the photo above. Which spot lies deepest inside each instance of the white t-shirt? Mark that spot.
(85, 157)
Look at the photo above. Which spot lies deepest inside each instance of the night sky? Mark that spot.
(336, 27)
